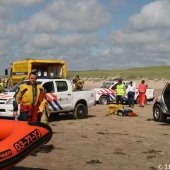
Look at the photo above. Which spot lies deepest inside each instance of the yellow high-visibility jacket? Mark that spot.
(120, 90)
(24, 96)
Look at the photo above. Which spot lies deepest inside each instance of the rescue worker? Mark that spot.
(31, 99)
(131, 89)
(78, 83)
(9, 83)
(1, 86)
(142, 90)
(120, 92)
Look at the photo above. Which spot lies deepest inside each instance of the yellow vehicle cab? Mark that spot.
(20, 70)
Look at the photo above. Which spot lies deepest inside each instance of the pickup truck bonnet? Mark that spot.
(104, 91)
(7, 96)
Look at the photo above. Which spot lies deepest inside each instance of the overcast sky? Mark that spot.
(88, 34)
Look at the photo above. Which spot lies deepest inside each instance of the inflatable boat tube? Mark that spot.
(19, 138)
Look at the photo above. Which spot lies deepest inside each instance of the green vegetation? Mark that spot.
(156, 72)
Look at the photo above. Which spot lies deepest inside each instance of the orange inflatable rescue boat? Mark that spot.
(19, 138)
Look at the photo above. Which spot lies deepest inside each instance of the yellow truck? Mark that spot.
(20, 70)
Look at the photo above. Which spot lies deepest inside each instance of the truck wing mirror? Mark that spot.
(6, 72)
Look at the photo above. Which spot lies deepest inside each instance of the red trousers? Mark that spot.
(32, 112)
(141, 99)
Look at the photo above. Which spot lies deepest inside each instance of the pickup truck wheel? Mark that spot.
(80, 111)
(104, 100)
(157, 114)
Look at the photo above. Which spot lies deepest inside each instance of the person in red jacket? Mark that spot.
(142, 90)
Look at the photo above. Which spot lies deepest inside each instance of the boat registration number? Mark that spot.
(27, 140)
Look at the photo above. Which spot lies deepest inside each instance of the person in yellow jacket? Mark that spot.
(120, 92)
(78, 83)
(1, 86)
(30, 100)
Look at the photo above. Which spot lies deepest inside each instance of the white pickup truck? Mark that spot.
(61, 96)
(107, 94)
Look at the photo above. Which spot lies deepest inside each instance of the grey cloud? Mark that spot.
(62, 28)
(82, 16)
(49, 41)
(152, 16)
(5, 13)
(20, 2)
(43, 23)
(79, 15)
(69, 30)
(134, 37)
(146, 39)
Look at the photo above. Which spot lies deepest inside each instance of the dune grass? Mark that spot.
(156, 72)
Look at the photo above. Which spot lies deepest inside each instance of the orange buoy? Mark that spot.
(19, 138)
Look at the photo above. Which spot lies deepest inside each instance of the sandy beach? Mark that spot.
(103, 142)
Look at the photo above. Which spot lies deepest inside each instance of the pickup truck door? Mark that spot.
(64, 94)
(166, 97)
(58, 95)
